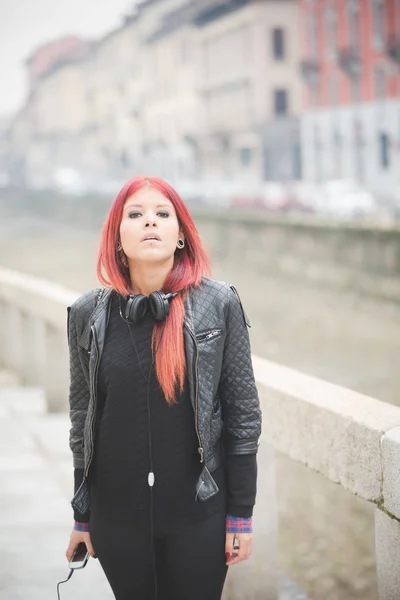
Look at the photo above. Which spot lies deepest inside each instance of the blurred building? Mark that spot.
(109, 137)
(169, 107)
(185, 89)
(45, 132)
(351, 69)
(43, 59)
(249, 89)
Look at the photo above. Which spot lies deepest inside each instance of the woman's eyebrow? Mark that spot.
(141, 206)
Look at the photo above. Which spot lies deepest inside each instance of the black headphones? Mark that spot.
(139, 305)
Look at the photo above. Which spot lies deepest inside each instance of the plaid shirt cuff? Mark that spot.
(81, 526)
(238, 524)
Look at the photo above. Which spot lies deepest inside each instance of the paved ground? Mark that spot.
(35, 515)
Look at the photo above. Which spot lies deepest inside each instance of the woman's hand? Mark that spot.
(76, 538)
(237, 554)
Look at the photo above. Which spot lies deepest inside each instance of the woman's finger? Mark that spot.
(244, 550)
(70, 550)
(229, 545)
(89, 546)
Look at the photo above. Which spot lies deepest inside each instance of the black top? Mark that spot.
(129, 412)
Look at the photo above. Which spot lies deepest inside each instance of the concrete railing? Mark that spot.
(349, 438)
(33, 325)
(363, 257)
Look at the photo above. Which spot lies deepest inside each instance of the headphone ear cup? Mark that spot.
(136, 308)
(159, 306)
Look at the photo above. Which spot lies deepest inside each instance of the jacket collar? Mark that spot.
(102, 305)
(84, 339)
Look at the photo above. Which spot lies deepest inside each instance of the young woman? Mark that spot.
(165, 415)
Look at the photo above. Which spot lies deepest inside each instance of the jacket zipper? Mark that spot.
(93, 395)
(200, 449)
(209, 335)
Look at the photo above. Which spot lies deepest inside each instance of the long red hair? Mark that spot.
(190, 264)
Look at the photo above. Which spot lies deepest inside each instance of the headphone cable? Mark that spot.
(151, 480)
(65, 580)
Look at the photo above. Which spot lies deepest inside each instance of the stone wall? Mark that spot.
(360, 257)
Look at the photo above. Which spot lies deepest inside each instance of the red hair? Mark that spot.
(190, 265)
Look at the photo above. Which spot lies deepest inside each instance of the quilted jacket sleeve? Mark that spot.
(78, 516)
(78, 392)
(237, 388)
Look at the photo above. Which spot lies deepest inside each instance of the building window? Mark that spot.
(354, 24)
(384, 146)
(246, 156)
(314, 96)
(278, 43)
(334, 90)
(355, 89)
(280, 102)
(398, 15)
(297, 163)
(331, 23)
(337, 152)
(312, 34)
(184, 51)
(380, 83)
(378, 16)
(318, 150)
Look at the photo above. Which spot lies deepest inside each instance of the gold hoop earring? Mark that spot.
(122, 254)
(123, 258)
(180, 244)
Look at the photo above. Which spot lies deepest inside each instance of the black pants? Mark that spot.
(189, 564)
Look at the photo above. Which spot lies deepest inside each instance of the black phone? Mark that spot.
(79, 557)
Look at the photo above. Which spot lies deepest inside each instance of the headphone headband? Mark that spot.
(158, 303)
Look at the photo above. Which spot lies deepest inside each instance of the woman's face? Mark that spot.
(149, 213)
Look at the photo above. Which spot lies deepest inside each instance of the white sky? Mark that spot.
(26, 24)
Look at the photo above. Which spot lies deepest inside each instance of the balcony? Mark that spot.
(207, 11)
(393, 48)
(349, 61)
(310, 71)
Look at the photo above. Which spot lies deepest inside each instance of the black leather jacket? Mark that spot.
(223, 392)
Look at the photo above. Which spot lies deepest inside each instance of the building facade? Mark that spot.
(184, 89)
(45, 132)
(170, 102)
(351, 70)
(249, 88)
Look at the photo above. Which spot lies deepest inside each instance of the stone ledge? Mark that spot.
(391, 471)
(332, 430)
(47, 300)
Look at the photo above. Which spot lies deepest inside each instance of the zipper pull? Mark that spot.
(151, 479)
(201, 452)
(197, 493)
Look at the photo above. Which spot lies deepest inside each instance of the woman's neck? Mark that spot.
(147, 278)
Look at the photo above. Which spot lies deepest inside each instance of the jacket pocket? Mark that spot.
(205, 486)
(208, 335)
(81, 498)
(216, 423)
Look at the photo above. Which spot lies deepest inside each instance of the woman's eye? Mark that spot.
(134, 214)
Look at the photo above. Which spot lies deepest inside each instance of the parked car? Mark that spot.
(69, 181)
(345, 198)
(4, 179)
